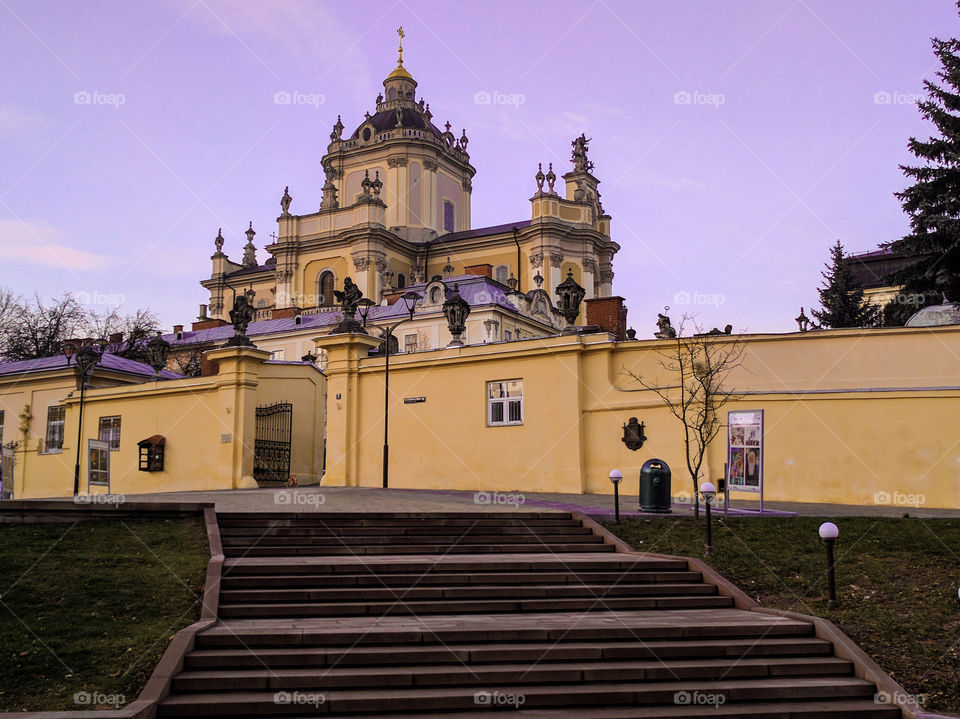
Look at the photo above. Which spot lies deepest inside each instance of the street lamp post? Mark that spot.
(828, 533)
(410, 300)
(708, 491)
(616, 476)
(85, 358)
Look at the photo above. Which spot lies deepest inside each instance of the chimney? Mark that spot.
(177, 329)
(116, 338)
(610, 314)
(482, 270)
(203, 313)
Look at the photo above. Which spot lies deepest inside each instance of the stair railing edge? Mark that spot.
(843, 646)
(741, 599)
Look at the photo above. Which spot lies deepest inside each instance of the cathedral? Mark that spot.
(395, 218)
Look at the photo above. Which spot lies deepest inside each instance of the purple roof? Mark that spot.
(484, 231)
(111, 362)
(477, 290)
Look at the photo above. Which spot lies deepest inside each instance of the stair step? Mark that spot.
(340, 549)
(544, 591)
(401, 606)
(478, 563)
(535, 696)
(508, 673)
(300, 528)
(484, 579)
(308, 539)
(503, 652)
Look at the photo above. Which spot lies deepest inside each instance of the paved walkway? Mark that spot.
(373, 499)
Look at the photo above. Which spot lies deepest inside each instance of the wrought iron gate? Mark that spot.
(271, 448)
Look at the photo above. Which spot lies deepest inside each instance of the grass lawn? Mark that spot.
(90, 607)
(897, 582)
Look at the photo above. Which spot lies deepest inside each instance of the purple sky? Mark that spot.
(731, 199)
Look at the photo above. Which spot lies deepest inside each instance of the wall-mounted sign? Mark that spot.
(414, 400)
(745, 451)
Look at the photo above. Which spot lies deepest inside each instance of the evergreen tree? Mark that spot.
(933, 201)
(841, 297)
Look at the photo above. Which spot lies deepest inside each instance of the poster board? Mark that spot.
(745, 451)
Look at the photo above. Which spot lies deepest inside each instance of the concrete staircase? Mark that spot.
(405, 615)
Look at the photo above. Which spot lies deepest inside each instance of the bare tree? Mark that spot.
(136, 329)
(188, 359)
(10, 306)
(36, 329)
(701, 363)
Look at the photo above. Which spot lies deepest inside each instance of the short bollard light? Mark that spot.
(708, 491)
(829, 534)
(616, 476)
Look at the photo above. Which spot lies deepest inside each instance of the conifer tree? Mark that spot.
(933, 201)
(841, 298)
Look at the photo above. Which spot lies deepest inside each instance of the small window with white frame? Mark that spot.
(109, 431)
(505, 402)
(55, 419)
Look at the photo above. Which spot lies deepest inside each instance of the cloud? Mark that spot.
(14, 120)
(40, 243)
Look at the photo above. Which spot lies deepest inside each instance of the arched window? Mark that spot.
(448, 221)
(401, 281)
(325, 289)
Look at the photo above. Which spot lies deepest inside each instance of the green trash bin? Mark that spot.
(655, 487)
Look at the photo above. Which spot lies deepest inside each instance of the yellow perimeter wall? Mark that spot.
(208, 424)
(848, 414)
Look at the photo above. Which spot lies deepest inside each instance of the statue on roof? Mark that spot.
(240, 317)
(665, 329)
(337, 131)
(579, 156)
(348, 298)
(285, 201)
(218, 241)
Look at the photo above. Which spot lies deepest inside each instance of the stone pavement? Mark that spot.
(598, 506)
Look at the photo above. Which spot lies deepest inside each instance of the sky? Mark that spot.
(735, 141)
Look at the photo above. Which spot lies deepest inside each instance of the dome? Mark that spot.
(387, 120)
(936, 316)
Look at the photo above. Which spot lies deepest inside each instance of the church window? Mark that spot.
(401, 281)
(448, 215)
(505, 402)
(325, 289)
(501, 274)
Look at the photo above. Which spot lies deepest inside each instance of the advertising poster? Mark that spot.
(745, 450)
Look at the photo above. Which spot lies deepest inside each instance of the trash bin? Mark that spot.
(655, 487)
